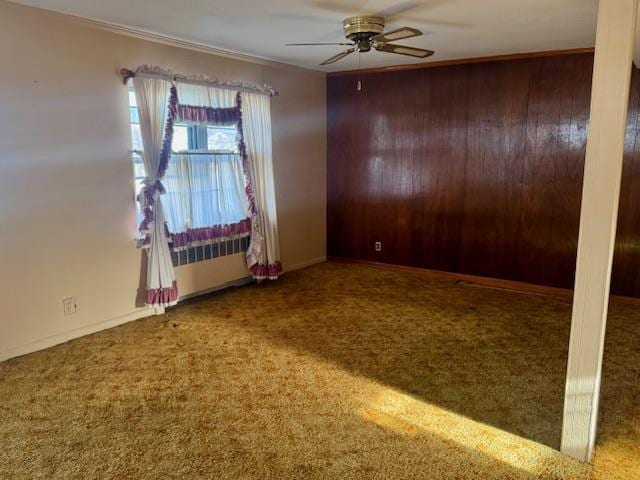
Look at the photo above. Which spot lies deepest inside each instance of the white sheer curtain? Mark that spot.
(152, 97)
(204, 190)
(263, 256)
(205, 96)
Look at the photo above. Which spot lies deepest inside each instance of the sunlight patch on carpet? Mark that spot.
(411, 417)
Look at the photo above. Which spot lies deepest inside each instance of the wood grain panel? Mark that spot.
(394, 143)
(474, 169)
(552, 181)
(626, 259)
(438, 190)
(497, 112)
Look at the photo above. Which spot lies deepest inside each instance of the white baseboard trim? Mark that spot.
(233, 283)
(63, 337)
(308, 263)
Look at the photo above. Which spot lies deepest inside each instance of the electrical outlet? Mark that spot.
(69, 306)
(378, 246)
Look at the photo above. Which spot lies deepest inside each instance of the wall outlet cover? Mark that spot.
(69, 305)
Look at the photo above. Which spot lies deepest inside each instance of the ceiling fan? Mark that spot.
(366, 32)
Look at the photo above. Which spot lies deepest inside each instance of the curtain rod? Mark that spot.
(127, 74)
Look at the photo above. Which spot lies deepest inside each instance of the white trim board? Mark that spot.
(64, 337)
(233, 283)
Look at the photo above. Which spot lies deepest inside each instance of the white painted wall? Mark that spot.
(66, 187)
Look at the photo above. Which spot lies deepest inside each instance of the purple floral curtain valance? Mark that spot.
(203, 236)
(207, 115)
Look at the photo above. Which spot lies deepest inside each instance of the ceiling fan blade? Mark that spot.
(305, 44)
(339, 56)
(402, 50)
(398, 34)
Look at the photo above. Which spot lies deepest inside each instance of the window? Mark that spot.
(204, 181)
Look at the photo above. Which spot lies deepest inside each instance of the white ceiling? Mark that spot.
(453, 28)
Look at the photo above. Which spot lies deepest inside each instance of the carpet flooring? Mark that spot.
(337, 371)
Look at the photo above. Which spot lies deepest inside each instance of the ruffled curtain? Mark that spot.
(263, 256)
(204, 190)
(155, 112)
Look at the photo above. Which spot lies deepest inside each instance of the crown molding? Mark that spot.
(169, 40)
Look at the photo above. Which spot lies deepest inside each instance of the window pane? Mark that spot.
(222, 138)
(133, 115)
(132, 97)
(198, 137)
(136, 137)
(180, 138)
(138, 168)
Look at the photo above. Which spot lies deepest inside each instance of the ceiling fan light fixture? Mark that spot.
(363, 46)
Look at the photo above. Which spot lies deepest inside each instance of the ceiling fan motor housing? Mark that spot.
(360, 29)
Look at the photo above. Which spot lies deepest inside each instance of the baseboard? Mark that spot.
(308, 263)
(63, 337)
(484, 281)
(240, 282)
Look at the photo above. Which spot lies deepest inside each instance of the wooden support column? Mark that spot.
(598, 217)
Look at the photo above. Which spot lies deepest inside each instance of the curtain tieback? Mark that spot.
(147, 198)
(150, 191)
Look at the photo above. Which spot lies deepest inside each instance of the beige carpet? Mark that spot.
(337, 371)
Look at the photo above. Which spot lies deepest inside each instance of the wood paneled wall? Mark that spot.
(472, 168)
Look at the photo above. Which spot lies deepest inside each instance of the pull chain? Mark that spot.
(359, 83)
